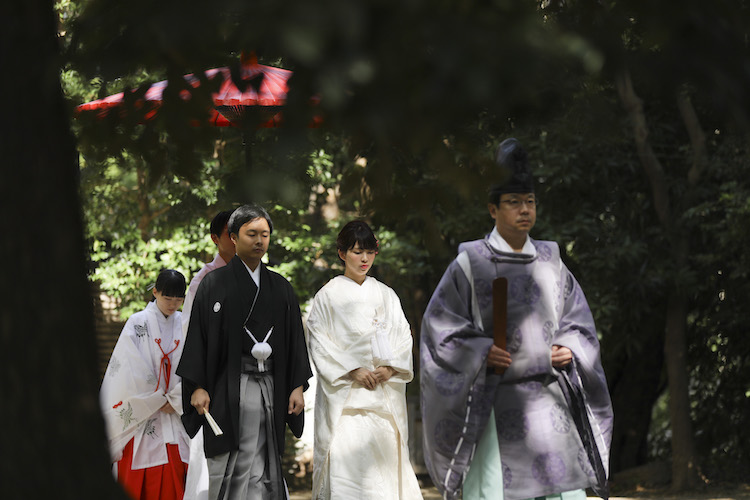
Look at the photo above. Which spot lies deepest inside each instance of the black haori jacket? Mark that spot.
(213, 350)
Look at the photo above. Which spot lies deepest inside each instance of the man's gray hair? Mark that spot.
(245, 214)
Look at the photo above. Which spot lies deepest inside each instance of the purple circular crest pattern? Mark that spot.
(548, 469)
(531, 385)
(525, 290)
(543, 251)
(435, 312)
(424, 353)
(483, 289)
(447, 433)
(548, 330)
(449, 383)
(437, 304)
(583, 461)
(482, 398)
(559, 417)
(514, 338)
(450, 341)
(568, 287)
(512, 425)
(507, 477)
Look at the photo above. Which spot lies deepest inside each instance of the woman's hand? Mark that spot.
(364, 377)
(167, 408)
(383, 373)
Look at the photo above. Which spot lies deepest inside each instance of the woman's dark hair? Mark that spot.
(356, 231)
(245, 214)
(170, 283)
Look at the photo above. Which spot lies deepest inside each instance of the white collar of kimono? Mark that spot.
(347, 278)
(255, 275)
(498, 243)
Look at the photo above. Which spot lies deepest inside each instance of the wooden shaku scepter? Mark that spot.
(500, 314)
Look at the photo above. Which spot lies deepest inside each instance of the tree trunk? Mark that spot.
(684, 471)
(148, 214)
(635, 384)
(53, 443)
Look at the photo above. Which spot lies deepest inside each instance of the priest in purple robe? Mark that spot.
(531, 420)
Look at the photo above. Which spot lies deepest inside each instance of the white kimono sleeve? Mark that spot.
(127, 395)
(399, 340)
(332, 361)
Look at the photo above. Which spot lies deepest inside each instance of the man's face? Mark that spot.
(514, 215)
(251, 242)
(224, 245)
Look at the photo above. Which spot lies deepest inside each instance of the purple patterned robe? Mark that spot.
(540, 449)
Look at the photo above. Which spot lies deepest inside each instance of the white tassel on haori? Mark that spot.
(261, 350)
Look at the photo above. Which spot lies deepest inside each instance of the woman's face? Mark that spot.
(358, 262)
(167, 305)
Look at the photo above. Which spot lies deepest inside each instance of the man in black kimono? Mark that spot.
(245, 361)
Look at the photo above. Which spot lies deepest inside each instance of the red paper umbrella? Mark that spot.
(230, 104)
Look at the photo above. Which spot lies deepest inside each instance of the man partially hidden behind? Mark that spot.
(196, 484)
(224, 252)
(497, 422)
(245, 361)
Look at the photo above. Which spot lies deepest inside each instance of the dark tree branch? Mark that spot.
(634, 107)
(697, 136)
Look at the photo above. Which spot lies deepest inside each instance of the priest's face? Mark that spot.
(251, 242)
(358, 262)
(514, 215)
(166, 304)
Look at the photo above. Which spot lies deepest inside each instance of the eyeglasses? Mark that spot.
(515, 203)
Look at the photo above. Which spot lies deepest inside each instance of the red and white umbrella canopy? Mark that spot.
(230, 104)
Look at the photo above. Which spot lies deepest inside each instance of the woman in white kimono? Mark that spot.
(141, 398)
(361, 345)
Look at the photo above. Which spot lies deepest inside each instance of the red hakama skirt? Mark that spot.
(162, 482)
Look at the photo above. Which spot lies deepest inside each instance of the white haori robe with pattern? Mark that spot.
(134, 389)
(360, 446)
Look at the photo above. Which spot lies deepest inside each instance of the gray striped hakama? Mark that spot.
(254, 471)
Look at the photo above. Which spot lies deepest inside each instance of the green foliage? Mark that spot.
(128, 267)
(718, 326)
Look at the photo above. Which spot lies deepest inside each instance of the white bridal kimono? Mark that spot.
(361, 435)
(139, 379)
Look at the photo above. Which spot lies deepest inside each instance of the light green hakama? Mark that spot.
(484, 481)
